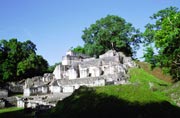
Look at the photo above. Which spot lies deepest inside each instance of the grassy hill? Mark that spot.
(157, 72)
(143, 97)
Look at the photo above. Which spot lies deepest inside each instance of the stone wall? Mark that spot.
(73, 74)
(109, 68)
(3, 93)
(27, 92)
(67, 89)
(58, 72)
(20, 103)
(55, 89)
(11, 101)
(2, 104)
(65, 86)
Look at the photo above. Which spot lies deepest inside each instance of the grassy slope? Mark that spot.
(11, 109)
(136, 99)
(132, 100)
(14, 112)
(157, 72)
(139, 90)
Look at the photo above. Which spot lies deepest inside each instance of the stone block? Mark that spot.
(3, 93)
(68, 89)
(2, 104)
(27, 92)
(72, 73)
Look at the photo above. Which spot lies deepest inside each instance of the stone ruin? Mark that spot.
(76, 70)
(3, 95)
(8, 89)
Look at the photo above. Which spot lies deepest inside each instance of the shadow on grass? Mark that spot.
(86, 103)
(28, 113)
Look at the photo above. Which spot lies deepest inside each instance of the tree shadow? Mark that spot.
(86, 103)
(18, 114)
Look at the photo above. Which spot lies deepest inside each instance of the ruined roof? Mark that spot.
(109, 53)
(99, 62)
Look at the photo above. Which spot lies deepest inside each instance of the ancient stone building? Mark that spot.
(80, 70)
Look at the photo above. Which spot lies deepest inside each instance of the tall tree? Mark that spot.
(165, 34)
(111, 32)
(19, 60)
(32, 66)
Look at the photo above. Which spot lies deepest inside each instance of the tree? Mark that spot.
(79, 49)
(34, 65)
(149, 56)
(19, 60)
(165, 34)
(111, 32)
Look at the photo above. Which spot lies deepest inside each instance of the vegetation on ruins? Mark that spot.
(111, 32)
(18, 60)
(164, 35)
(161, 39)
(145, 96)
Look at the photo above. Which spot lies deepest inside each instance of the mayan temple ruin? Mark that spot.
(75, 70)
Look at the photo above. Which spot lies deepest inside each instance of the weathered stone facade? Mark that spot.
(74, 67)
(78, 70)
(3, 93)
(38, 85)
(2, 104)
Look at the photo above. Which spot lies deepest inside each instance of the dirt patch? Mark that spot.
(157, 72)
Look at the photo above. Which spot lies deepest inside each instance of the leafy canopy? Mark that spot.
(111, 32)
(165, 34)
(18, 60)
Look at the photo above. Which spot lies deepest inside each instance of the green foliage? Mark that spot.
(150, 56)
(79, 49)
(111, 32)
(165, 34)
(10, 109)
(18, 60)
(14, 112)
(173, 91)
(135, 100)
(143, 78)
(132, 100)
(33, 65)
(139, 91)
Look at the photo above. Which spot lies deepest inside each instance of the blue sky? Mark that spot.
(56, 25)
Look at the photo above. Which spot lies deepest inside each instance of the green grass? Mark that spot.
(138, 75)
(133, 93)
(136, 99)
(156, 72)
(173, 92)
(10, 109)
(139, 89)
(14, 112)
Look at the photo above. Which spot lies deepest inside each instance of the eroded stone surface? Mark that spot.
(78, 70)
